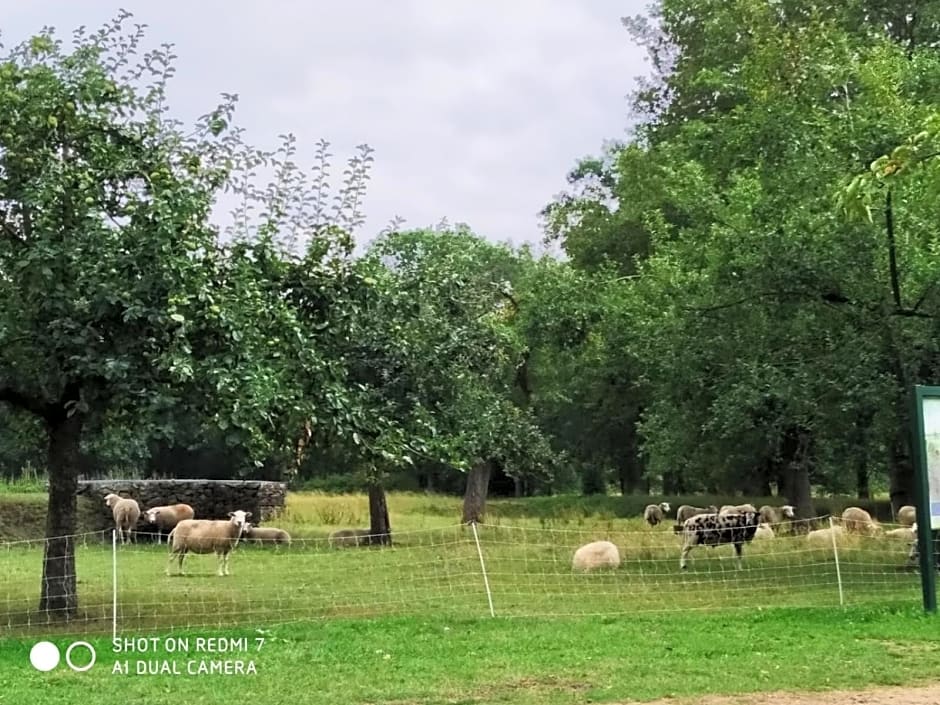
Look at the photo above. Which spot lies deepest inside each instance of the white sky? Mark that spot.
(476, 109)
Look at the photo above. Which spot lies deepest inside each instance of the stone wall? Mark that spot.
(210, 499)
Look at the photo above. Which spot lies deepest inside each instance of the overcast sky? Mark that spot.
(476, 109)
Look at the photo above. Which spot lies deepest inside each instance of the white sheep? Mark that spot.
(857, 521)
(777, 515)
(907, 515)
(654, 513)
(904, 532)
(764, 531)
(598, 554)
(687, 511)
(737, 509)
(167, 517)
(126, 512)
(823, 537)
(349, 537)
(208, 536)
(268, 535)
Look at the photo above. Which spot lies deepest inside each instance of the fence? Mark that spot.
(460, 571)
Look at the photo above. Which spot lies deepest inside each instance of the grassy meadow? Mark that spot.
(411, 623)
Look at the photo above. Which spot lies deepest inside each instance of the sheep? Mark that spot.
(687, 511)
(777, 515)
(654, 513)
(737, 509)
(208, 536)
(598, 554)
(764, 531)
(167, 517)
(823, 537)
(126, 512)
(268, 535)
(715, 529)
(349, 537)
(907, 515)
(904, 532)
(858, 521)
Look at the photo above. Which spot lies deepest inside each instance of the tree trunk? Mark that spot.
(59, 596)
(474, 499)
(901, 478)
(380, 528)
(861, 480)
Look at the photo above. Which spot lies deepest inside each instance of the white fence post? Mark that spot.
(486, 580)
(114, 601)
(835, 552)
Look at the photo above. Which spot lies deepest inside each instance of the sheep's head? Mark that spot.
(712, 509)
(111, 499)
(665, 506)
(789, 511)
(151, 515)
(240, 519)
(751, 518)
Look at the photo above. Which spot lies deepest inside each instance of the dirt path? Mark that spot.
(927, 695)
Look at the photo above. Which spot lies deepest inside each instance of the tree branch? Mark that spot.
(892, 253)
(22, 401)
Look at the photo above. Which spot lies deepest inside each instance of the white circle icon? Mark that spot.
(44, 655)
(68, 656)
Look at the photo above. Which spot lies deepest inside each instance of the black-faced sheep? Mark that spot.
(858, 521)
(167, 517)
(686, 511)
(595, 555)
(654, 513)
(714, 530)
(343, 538)
(268, 535)
(208, 536)
(126, 512)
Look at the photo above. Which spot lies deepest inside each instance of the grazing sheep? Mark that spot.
(268, 535)
(777, 515)
(687, 511)
(907, 515)
(737, 509)
(654, 513)
(823, 537)
(349, 537)
(598, 554)
(208, 536)
(905, 532)
(858, 521)
(126, 512)
(714, 529)
(764, 531)
(166, 518)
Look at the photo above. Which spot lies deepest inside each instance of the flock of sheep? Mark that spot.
(740, 524)
(190, 535)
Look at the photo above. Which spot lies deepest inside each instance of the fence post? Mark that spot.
(114, 601)
(835, 552)
(486, 580)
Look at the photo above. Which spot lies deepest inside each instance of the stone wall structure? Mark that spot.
(210, 499)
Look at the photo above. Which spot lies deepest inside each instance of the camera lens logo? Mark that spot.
(45, 656)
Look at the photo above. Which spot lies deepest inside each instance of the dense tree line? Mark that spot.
(749, 291)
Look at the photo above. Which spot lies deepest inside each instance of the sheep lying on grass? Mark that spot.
(126, 512)
(167, 517)
(857, 521)
(823, 537)
(714, 530)
(343, 538)
(654, 513)
(268, 535)
(595, 555)
(208, 536)
(737, 509)
(687, 511)
(907, 515)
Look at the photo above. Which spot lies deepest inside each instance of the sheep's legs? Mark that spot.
(180, 555)
(737, 553)
(223, 564)
(684, 557)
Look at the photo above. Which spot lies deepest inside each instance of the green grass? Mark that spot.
(434, 659)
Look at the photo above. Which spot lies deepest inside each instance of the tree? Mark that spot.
(118, 299)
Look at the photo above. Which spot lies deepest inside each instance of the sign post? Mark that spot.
(927, 474)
